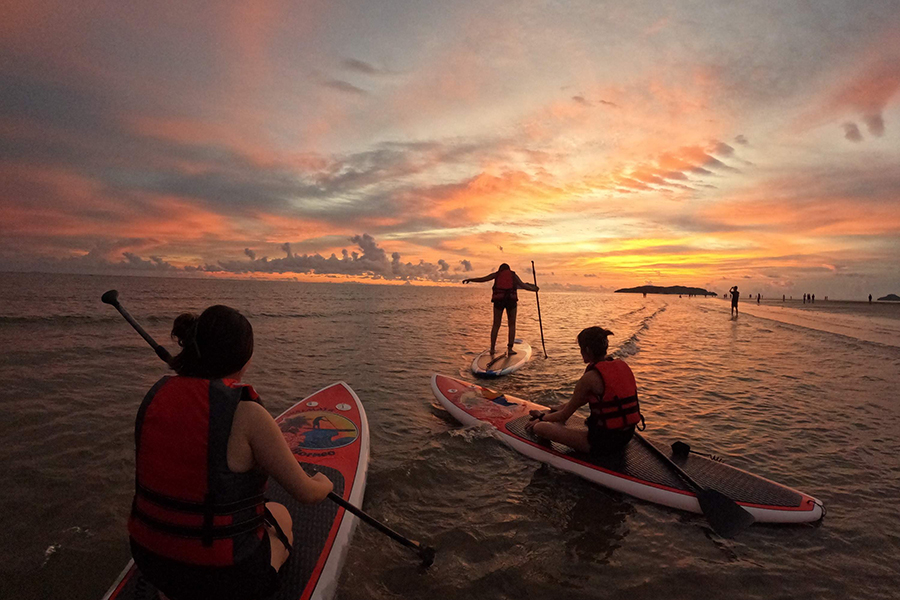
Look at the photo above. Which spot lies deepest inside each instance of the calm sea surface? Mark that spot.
(805, 396)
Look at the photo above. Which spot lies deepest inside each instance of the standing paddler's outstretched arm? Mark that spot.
(481, 279)
(526, 286)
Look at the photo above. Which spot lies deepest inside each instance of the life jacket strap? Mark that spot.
(204, 533)
(217, 509)
(279, 532)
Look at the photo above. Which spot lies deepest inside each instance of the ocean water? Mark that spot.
(804, 396)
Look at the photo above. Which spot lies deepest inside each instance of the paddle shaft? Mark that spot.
(536, 297)
(426, 553)
(671, 464)
(423, 550)
(160, 351)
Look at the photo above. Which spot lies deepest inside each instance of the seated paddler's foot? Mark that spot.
(510, 352)
(493, 352)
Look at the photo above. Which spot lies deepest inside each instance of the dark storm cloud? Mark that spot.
(370, 261)
(97, 261)
(343, 86)
(250, 253)
(722, 149)
(581, 100)
(359, 66)
(742, 140)
(851, 132)
(875, 124)
(53, 104)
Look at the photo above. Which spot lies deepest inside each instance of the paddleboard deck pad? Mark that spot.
(499, 364)
(327, 432)
(636, 470)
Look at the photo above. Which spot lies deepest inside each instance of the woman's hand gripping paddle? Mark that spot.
(426, 553)
(724, 515)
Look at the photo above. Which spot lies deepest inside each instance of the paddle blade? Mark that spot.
(426, 553)
(724, 515)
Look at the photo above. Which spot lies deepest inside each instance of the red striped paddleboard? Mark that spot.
(327, 432)
(635, 471)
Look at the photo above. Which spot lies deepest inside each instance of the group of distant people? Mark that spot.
(735, 295)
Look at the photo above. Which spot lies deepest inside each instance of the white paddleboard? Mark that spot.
(501, 363)
(636, 471)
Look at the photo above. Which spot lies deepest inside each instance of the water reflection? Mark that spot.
(593, 521)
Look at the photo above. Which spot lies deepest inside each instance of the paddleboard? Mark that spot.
(327, 432)
(500, 364)
(636, 471)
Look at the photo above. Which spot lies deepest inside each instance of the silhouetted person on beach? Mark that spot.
(757, 298)
(804, 298)
(504, 297)
(782, 297)
(870, 298)
(813, 299)
(735, 294)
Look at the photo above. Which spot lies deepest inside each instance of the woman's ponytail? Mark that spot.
(215, 344)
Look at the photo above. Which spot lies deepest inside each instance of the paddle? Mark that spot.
(112, 297)
(493, 360)
(536, 297)
(724, 515)
(426, 553)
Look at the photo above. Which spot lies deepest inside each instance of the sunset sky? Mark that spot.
(705, 143)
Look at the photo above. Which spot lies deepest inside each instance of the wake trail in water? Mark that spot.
(630, 346)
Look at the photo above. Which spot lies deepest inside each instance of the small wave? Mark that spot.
(633, 312)
(630, 346)
(61, 320)
(480, 431)
(50, 551)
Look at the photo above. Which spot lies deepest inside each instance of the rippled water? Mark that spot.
(790, 399)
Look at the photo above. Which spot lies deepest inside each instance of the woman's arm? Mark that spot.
(526, 286)
(481, 279)
(584, 389)
(271, 453)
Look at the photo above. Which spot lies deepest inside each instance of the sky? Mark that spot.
(620, 143)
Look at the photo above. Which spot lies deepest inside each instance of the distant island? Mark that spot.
(672, 289)
(890, 298)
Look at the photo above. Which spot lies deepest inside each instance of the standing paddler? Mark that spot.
(504, 297)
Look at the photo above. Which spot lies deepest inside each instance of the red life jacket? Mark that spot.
(504, 286)
(188, 506)
(618, 408)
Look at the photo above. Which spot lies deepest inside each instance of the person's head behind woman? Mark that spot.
(214, 345)
(503, 267)
(594, 342)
